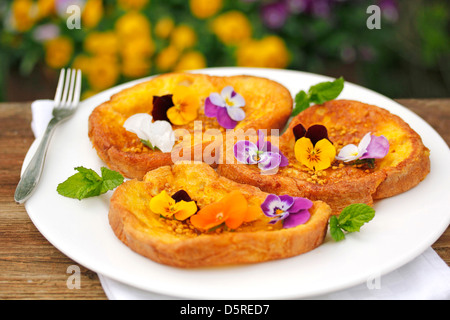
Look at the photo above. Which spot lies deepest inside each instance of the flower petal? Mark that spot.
(378, 148)
(272, 148)
(286, 202)
(235, 113)
(327, 152)
(244, 152)
(210, 108)
(160, 106)
(261, 143)
(237, 100)
(300, 204)
(217, 99)
(348, 153)
(184, 209)
(303, 147)
(269, 161)
(224, 119)
(139, 124)
(160, 204)
(316, 133)
(299, 131)
(295, 219)
(162, 136)
(270, 204)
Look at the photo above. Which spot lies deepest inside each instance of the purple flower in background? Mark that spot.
(274, 14)
(370, 147)
(297, 6)
(263, 153)
(389, 9)
(226, 107)
(293, 211)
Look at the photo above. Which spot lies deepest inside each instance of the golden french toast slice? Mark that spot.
(268, 105)
(347, 122)
(182, 243)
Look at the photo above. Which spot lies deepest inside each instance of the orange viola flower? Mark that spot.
(233, 210)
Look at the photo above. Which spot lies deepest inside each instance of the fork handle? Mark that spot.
(32, 173)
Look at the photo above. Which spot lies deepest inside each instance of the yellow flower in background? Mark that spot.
(45, 8)
(269, 52)
(167, 58)
(183, 36)
(103, 72)
(164, 27)
(142, 47)
(135, 67)
(190, 61)
(133, 25)
(23, 15)
(232, 27)
(203, 9)
(82, 62)
(92, 13)
(58, 52)
(132, 4)
(102, 43)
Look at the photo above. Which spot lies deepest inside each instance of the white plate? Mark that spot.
(404, 225)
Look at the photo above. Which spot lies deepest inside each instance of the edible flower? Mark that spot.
(232, 210)
(263, 153)
(226, 107)
(168, 207)
(178, 108)
(313, 148)
(370, 147)
(293, 211)
(158, 134)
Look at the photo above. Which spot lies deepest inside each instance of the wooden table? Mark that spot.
(31, 268)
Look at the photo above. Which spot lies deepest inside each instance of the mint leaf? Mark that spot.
(336, 233)
(318, 94)
(301, 102)
(351, 219)
(87, 183)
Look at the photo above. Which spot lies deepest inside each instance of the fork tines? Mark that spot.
(68, 91)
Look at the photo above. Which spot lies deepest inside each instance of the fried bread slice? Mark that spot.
(406, 164)
(268, 105)
(178, 243)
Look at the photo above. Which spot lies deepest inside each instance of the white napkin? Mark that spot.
(425, 278)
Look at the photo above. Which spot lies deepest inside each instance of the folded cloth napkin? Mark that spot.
(427, 277)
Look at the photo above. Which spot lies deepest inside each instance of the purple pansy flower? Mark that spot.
(263, 153)
(370, 147)
(293, 211)
(226, 107)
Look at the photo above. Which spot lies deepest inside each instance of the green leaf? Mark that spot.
(353, 217)
(326, 91)
(318, 94)
(87, 183)
(301, 102)
(336, 233)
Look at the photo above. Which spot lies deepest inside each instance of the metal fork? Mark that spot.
(66, 101)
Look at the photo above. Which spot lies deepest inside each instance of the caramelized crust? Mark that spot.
(179, 244)
(268, 106)
(406, 164)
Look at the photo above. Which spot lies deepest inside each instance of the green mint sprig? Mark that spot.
(87, 183)
(318, 94)
(351, 219)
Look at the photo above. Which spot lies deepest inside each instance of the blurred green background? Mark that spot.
(122, 40)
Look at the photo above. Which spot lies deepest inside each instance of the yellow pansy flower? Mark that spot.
(185, 106)
(203, 9)
(166, 206)
(58, 52)
(316, 157)
(232, 27)
(191, 60)
(92, 13)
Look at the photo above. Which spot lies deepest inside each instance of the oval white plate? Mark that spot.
(404, 225)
